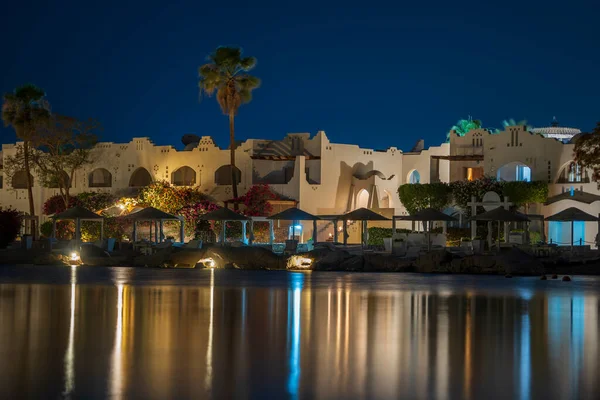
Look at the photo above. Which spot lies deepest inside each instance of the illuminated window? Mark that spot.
(414, 177)
(474, 173)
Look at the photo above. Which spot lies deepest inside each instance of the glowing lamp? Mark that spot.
(208, 262)
(299, 262)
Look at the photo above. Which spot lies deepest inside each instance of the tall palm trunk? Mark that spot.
(29, 188)
(232, 156)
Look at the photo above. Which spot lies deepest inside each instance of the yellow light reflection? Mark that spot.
(209, 349)
(117, 374)
(70, 353)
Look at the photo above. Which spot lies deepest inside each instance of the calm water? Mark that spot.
(171, 334)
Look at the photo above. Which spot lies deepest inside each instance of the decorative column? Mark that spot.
(181, 230)
(345, 222)
(223, 232)
(473, 214)
(335, 231)
(134, 231)
(489, 235)
(506, 224)
(315, 231)
(77, 232)
(271, 233)
(393, 225)
(244, 239)
(161, 227)
(156, 237)
(251, 240)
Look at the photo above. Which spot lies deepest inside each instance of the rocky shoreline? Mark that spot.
(509, 262)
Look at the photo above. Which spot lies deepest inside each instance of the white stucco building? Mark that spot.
(331, 178)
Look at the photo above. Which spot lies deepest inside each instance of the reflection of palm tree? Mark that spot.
(463, 126)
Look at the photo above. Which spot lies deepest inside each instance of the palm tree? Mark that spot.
(23, 110)
(463, 126)
(225, 74)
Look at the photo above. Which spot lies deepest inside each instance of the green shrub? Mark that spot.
(376, 235)
(46, 229)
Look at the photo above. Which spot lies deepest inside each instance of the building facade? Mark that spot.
(330, 178)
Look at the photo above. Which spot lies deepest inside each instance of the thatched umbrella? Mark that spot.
(154, 215)
(363, 215)
(223, 214)
(428, 215)
(500, 214)
(571, 214)
(295, 214)
(77, 214)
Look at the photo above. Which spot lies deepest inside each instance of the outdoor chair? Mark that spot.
(291, 246)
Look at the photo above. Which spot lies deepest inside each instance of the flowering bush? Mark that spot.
(191, 213)
(56, 204)
(256, 201)
(96, 201)
(170, 199)
(10, 221)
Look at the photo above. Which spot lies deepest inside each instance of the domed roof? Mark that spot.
(557, 132)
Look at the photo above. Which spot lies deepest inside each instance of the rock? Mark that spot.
(243, 257)
(328, 258)
(554, 276)
(543, 278)
(90, 250)
(566, 278)
(385, 263)
(158, 259)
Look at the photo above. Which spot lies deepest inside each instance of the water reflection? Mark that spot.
(296, 338)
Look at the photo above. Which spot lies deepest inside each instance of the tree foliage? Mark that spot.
(464, 126)
(64, 145)
(416, 197)
(256, 201)
(525, 193)
(168, 198)
(587, 152)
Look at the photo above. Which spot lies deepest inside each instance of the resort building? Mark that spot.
(328, 178)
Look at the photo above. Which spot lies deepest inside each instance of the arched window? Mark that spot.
(140, 178)
(100, 177)
(19, 180)
(386, 201)
(514, 171)
(58, 181)
(362, 199)
(414, 177)
(184, 176)
(223, 175)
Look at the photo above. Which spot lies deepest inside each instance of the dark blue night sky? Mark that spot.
(378, 75)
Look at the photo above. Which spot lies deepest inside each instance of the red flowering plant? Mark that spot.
(56, 204)
(256, 203)
(191, 213)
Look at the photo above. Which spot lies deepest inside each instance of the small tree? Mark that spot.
(416, 197)
(587, 152)
(64, 146)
